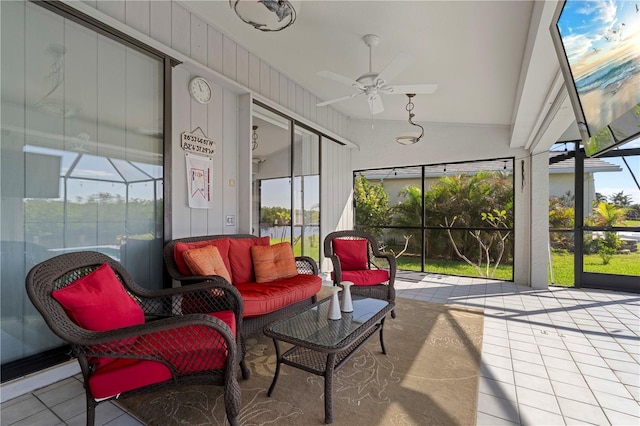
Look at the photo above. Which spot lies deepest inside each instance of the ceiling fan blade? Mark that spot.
(395, 67)
(418, 89)
(341, 98)
(340, 79)
(375, 104)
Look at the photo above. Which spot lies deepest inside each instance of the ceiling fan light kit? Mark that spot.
(410, 138)
(373, 84)
(265, 15)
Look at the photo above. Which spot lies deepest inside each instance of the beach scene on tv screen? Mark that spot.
(602, 43)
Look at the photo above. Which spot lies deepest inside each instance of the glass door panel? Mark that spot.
(306, 194)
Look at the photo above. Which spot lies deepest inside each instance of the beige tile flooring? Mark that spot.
(549, 357)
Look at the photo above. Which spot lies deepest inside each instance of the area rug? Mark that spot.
(429, 376)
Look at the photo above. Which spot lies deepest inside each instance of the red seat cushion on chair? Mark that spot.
(366, 277)
(351, 253)
(193, 348)
(221, 243)
(126, 374)
(241, 260)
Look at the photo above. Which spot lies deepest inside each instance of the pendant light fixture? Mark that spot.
(410, 138)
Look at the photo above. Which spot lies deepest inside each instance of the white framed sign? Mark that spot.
(197, 144)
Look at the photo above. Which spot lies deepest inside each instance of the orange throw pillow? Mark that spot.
(272, 263)
(206, 261)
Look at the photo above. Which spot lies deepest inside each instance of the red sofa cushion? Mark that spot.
(273, 263)
(179, 248)
(260, 298)
(351, 253)
(206, 261)
(240, 258)
(99, 302)
(366, 277)
(126, 374)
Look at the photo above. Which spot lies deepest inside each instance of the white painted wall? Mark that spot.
(237, 76)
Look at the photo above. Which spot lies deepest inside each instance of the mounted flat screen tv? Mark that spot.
(598, 46)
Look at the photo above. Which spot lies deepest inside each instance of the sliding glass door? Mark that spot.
(81, 160)
(286, 181)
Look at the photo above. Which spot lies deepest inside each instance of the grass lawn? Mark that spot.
(452, 267)
(620, 264)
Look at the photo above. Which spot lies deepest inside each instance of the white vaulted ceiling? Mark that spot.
(493, 61)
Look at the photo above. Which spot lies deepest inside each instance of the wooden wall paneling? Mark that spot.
(230, 159)
(214, 49)
(242, 66)
(180, 29)
(274, 89)
(299, 106)
(229, 57)
(199, 118)
(291, 95)
(265, 79)
(307, 104)
(199, 39)
(115, 9)
(91, 3)
(313, 108)
(216, 124)
(321, 116)
(181, 115)
(244, 183)
(284, 91)
(160, 21)
(254, 73)
(137, 15)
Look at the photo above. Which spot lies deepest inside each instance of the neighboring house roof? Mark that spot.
(591, 165)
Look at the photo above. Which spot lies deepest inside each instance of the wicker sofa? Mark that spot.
(263, 302)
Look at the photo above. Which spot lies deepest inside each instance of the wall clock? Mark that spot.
(200, 89)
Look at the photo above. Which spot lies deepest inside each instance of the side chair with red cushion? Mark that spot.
(128, 339)
(356, 257)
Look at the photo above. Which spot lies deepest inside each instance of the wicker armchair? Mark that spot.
(376, 273)
(165, 348)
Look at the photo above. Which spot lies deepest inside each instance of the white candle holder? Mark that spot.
(347, 303)
(334, 305)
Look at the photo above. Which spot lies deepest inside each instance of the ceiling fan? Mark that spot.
(373, 84)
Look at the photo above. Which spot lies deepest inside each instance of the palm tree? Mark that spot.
(608, 215)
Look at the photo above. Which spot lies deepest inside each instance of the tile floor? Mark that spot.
(549, 357)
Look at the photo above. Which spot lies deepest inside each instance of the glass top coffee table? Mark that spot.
(320, 345)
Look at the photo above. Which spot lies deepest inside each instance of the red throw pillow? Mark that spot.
(272, 263)
(99, 302)
(240, 258)
(352, 254)
(221, 243)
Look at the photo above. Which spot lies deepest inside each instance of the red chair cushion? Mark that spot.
(126, 374)
(351, 253)
(366, 277)
(260, 299)
(99, 302)
(179, 248)
(192, 348)
(240, 258)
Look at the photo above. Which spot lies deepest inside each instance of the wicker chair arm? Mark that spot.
(306, 265)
